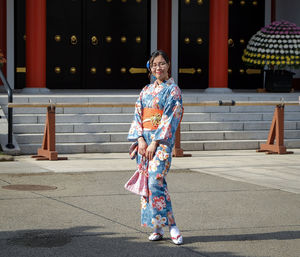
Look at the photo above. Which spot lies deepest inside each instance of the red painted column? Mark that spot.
(273, 10)
(164, 20)
(218, 44)
(35, 43)
(3, 32)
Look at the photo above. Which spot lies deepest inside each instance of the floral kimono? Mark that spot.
(156, 209)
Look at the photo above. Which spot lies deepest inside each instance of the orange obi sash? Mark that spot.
(151, 118)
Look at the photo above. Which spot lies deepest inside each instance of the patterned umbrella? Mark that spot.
(276, 46)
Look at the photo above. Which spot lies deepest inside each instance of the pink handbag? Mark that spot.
(138, 183)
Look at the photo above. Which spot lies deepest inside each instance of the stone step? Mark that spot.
(235, 125)
(39, 128)
(231, 144)
(66, 138)
(127, 117)
(130, 96)
(238, 109)
(81, 130)
(75, 137)
(185, 136)
(68, 148)
(59, 118)
(244, 135)
(267, 124)
(117, 147)
(130, 110)
(233, 135)
(73, 97)
(124, 127)
(290, 116)
(74, 110)
(73, 128)
(73, 118)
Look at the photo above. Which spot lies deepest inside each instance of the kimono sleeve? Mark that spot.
(136, 128)
(171, 118)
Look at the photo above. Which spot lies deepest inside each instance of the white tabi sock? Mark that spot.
(174, 231)
(175, 235)
(159, 231)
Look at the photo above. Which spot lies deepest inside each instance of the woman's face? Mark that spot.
(159, 68)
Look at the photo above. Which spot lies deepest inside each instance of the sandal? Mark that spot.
(156, 237)
(177, 240)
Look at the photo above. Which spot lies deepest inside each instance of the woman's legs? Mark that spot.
(159, 198)
(157, 206)
(156, 210)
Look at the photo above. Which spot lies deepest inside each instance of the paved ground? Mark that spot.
(227, 203)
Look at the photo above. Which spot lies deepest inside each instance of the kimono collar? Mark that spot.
(168, 82)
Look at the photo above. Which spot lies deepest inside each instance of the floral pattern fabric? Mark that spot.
(156, 209)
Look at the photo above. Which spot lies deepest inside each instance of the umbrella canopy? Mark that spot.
(276, 46)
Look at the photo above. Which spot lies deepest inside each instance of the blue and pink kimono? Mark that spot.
(156, 209)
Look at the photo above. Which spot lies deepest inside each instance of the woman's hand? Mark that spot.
(142, 146)
(151, 150)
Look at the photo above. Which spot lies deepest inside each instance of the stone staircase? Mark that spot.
(86, 130)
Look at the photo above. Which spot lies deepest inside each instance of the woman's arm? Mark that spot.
(136, 128)
(171, 118)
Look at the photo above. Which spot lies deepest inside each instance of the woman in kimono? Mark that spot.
(158, 112)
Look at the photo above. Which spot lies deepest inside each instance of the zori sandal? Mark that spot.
(177, 240)
(156, 237)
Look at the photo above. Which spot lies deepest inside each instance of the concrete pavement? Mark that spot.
(275, 171)
(226, 203)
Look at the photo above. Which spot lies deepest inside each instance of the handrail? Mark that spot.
(204, 103)
(10, 144)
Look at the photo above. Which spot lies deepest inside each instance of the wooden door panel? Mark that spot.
(242, 25)
(193, 44)
(64, 44)
(117, 25)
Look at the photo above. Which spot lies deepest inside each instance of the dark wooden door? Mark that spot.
(64, 44)
(193, 44)
(117, 43)
(245, 19)
(97, 44)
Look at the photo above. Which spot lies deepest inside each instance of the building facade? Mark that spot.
(101, 44)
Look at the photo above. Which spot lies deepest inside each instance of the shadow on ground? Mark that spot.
(84, 242)
(280, 235)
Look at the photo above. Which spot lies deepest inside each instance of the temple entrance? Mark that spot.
(98, 44)
(92, 44)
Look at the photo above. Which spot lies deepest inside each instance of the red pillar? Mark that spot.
(3, 32)
(273, 10)
(164, 20)
(35, 43)
(218, 44)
